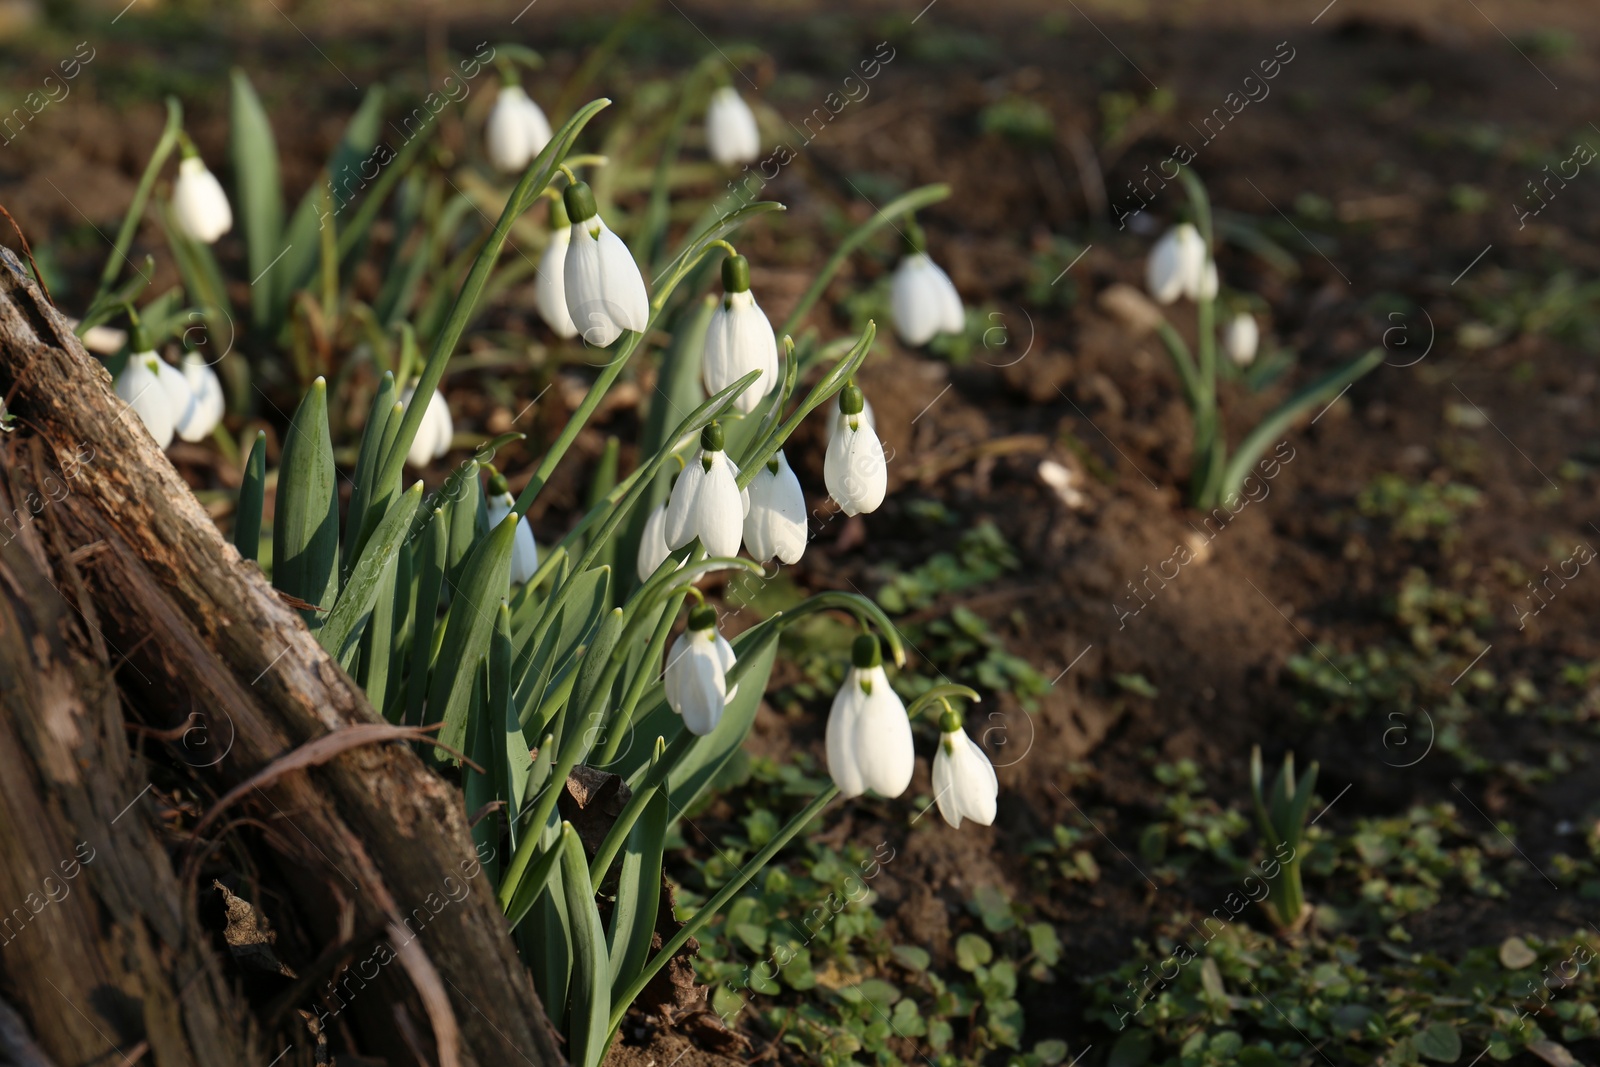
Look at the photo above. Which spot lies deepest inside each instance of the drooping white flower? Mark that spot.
(434, 435)
(869, 736)
(517, 129)
(653, 549)
(1177, 264)
(1240, 339)
(696, 674)
(854, 469)
(199, 206)
(964, 784)
(924, 301)
(206, 411)
(775, 525)
(140, 385)
(1207, 289)
(550, 290)
(605, 293)
(524, 553)
(707, 502)
(731, 132)
(739, 340)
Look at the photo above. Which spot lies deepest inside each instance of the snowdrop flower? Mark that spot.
(1207, 290)
(776, 522)
(923, 300)
(516, 131)
(199, 206)
(605, 294)
(696, 675)
(731, 132)
(180, 397)
(1240, 339)
(707, 502)
(550, 291)
(653, 549)
(964, 784)
(524, 553)
(739, 340)
(854, 468)
(206, 410)
(869, 736)
(1177, 265)
(434, 435)
(140, 385)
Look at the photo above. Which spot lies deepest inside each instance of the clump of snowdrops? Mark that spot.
(531, 663)
(1181, 265)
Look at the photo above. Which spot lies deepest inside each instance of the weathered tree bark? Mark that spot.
(372, 840)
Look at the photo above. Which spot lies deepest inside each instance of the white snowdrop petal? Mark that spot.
(550, 290)
(506, 134)
(731, 132)
(841, 737)
(944, 788)
(140, 387)
(206, 411)
(653, 549)
(725, 659)
(199, 206)
(678, 528)
(672, 674)
(883, 739)
(179, 395)
(524, 553)
(583, 278)
(952, 317)
(628, 304)
(1241, 338)
(973, 780)
(914, 300)
(718, 511)
(854, 468)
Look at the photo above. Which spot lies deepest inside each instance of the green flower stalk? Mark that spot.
(1281, 817)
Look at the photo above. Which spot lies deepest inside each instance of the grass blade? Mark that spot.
(589, 1025)
(341, 631)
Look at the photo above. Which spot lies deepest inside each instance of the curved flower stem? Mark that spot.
(831, 383)
(718, 902)
(902, 205)
(141, 196)
(534, 179)
(941, 693)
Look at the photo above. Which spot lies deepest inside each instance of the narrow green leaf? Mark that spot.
(341, 631)
(366, 461)
(252, 500)
(591, 675)
(533, 182)
(305, 527)
(479, 788)
(485, 576)
(1272, 428)
(633, 920)
(430, 563)
(589, 1027)
(468, 518)
(259, 196)
(540, 657)
(377, 636)
(513, 762)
